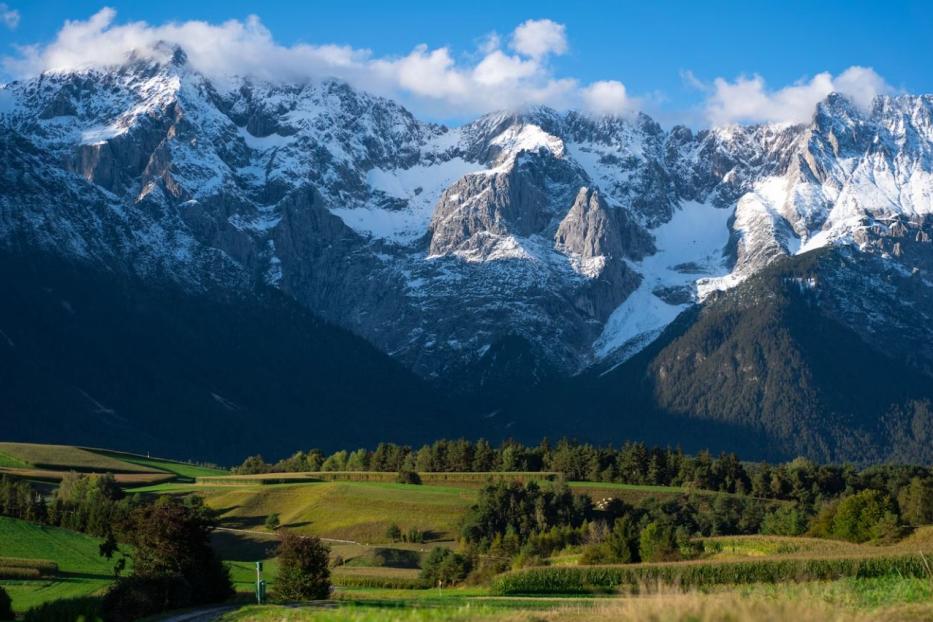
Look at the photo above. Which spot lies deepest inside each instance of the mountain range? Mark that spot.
(295, 265)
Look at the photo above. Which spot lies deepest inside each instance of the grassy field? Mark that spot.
(56, 476)
(359, 511)
(740, 578)
(180, 469)
(7, 460)
(880, 599)
(66, 457)
(81, 569)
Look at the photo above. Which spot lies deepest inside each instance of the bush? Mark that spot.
(916, 501)
(444, 567)
(273, 522)
(304, 573)
(135, 597)
(86, 608)
(6, 606)
(656, 543)
(408, 477)
(413, 535)
(786, 520)
(620, 546)
(393, 533)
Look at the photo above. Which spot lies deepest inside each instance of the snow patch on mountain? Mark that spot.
(689, 246)
(417, 188)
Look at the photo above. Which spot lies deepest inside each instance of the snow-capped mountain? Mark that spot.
(583, 236)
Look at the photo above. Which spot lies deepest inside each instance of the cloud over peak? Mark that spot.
(432, 80)
(505, 72)
(748, 100)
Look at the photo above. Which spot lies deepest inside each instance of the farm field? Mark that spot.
(81, 569)
(377, 577)
(65, 458)
(358, 511)
(886, 599)
(180, 469)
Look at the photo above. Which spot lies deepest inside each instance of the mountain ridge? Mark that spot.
(584, 237)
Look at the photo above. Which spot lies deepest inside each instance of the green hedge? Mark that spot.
(590, 579)
(86, 608)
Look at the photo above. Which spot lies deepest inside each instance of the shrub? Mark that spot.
(786, 520)
(656, 543)
(916, 501)
(303, 568)
(405, 476)
(6, 606)
(273, 522)
(135, 597)
(393, 533)
(86, 608)
(620, 546)
(443, 566)
(413, 535)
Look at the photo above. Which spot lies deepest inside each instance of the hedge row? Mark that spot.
(589, 579)
(389, 583)
(45, 566)
(369, 476)
(12, 572)
(86, 608)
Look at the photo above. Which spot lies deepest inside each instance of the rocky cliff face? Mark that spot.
(584, 237)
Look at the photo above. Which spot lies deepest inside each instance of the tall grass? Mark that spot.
(44, 566)
(379, 581)
(593, 579)
(699, 607)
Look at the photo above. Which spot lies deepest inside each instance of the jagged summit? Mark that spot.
(583, 235)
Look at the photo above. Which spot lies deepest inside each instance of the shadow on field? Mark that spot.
(303, 523)
(243, 547)
(242, 522)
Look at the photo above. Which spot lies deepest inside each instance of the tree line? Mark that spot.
(799, 480)
(515, 525)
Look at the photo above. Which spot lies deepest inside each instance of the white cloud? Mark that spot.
(539, 37)
(430, 80)
(607, 97)
(9, 16)
(749, 100)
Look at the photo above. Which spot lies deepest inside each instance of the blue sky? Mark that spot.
(666, 56)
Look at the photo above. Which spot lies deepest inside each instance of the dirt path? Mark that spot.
(201, 615)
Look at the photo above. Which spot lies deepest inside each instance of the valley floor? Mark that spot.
(861, 600)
